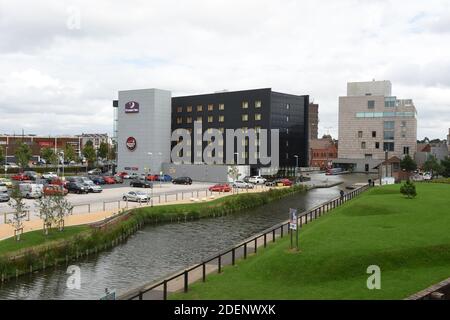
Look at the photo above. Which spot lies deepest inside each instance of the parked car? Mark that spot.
(133, 175)
(49, 175)
(220, 188)
(182, 180)
(118, 179)
(246, 178)
(141, 184)
(138, 196)
(11, 165)
(109, 180)
(123, 175)
(427, 176)
(58, 181)
(31, 190)
(4, 197)
(53, 189)
(242, 185)
(284, 182)
(92, 187)
(98, 180)
(76, 187)
(164, 178)
(257, 180)
(3, 188)
(19, 177)
(95, 171)
(7, 182)
(151, 177)
(32, 175)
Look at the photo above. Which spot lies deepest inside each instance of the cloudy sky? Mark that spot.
(62, 62)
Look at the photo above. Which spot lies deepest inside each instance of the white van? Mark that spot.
(31, 190)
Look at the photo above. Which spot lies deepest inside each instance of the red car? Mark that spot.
(220, 188)
(51, 190)
(20, 177)
(123, 175)
(109, 180)
(285, 182)
(152, 177)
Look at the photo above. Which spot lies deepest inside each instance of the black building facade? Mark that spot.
(250, 109)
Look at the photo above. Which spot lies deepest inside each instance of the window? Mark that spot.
(389, 125)
(244, 105)
(287, 143)
(287, 118)
(210, 119)
(389, 102)
(221, 106)
(388, 146)
(403, 124)
(257, 104)
(360, 134)
(221, 118)
(244, 129)
(245, 117)
(377, 145)
(199, 119)
(189, 119)
(374, 134)
(388, 135)
(287, 130)
(199, 108)
(179, 120)
(371, 104)
(179, 109)
(363, 145)
(210, 107)
(405, 150)
(258, 129)
(257, 116)
(288, 106)
(189, 109)
(221, 130)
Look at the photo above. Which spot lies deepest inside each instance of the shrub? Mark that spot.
(408, 189)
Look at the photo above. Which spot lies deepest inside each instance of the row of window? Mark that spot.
(389, 102)
(221, 118)
(387, 146)
(389, 131)
(384, 114)
(220, 106)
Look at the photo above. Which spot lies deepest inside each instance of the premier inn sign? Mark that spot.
(132, 107)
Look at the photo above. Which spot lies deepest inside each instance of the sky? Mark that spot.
(63, 62)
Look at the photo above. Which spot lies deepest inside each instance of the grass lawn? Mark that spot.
(37, 238)
(409, 239)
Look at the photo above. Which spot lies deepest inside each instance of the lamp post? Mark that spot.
(296, 164)
(160, 172)
(62, 153)
(6, 159)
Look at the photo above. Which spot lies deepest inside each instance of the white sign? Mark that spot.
(293, 219)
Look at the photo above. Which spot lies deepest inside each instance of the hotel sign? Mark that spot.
(131, 143)
(132, 107)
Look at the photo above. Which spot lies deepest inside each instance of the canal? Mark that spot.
(156, 251)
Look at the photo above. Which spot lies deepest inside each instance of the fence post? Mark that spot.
(165, 290)
(219, 264)
(245, 250)
(186, 281)
(104, 206)
(273, 235)
(118, 204)
(282, 231)
(140, 295)
(233, 254)
(265, 240)
(204, 272)
(256, 244)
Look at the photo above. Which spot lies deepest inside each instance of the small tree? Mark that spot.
(408, 164)
(234, 173)
(62, 209)
(103, 150)
(46, 212)
(23, 155)
(20, 211)
(2, 156)
(408, 189)
(48, 154)
(432, 165)
(445, 164)
(69, 153)
(89, 152)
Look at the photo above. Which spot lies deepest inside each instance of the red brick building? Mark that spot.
(323, 152)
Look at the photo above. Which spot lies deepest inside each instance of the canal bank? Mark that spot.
(159, 250)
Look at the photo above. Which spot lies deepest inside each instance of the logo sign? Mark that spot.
(131, 143)
(293, 219)
(132, 107)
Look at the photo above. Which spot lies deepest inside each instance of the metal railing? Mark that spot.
(180, 281)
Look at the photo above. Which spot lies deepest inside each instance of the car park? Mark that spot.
(92, 187)
(141, 184)
(53, 190)
(242, 185)
(137, 196)
(4, 197)
(182, 180)
(31, 190)
(49, 175)
(76, 187)
(220, 188)
(257, 180)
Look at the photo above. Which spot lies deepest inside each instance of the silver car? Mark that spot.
(242, 185)
(137, 196)
(92, 187)
(4, 197)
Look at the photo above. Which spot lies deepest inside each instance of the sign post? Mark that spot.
(293, 221)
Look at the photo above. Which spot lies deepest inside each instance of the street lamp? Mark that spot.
(296, 164)
(149, 171)
(6, 159)
(62, 153)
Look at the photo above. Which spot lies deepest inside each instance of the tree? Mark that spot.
(62, 208)
(234, 173)
(20, 211)
(408, 164)
(23, 155)
(2, 156)
(432, 165)
(445, 164)
(408, 189)
(89, 152)
(46, 212)
(112, 152)
(103, 150)
(48, 154)
(69, 153)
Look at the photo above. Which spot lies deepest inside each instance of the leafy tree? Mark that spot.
(89, 152)
(20, 211)
(46, 212)
(112, 152)
(432, 165)
(408, 164)
(23, 155)
(2, 156)
(48, 154)
(103, 150)
(62, 208)
(408, 189)
(69, 153)
(445, 164)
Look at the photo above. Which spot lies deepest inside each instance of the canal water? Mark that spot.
(156, 251)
